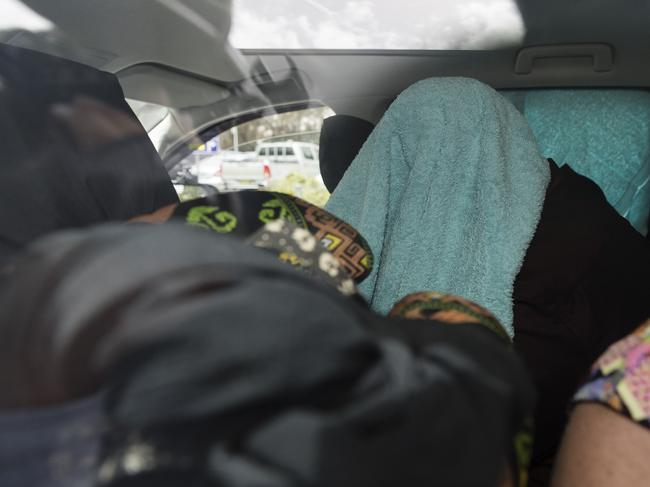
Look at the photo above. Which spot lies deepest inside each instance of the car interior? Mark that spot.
(219, 86)
(182, 88)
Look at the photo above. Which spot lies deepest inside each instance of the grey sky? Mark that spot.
(375, 24)
(351, 24)
(16, 15)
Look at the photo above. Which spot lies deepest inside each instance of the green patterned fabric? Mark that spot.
(244, 213)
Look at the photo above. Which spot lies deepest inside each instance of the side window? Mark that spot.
(251, 156)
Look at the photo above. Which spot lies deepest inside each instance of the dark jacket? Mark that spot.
(584, 284)
(52, 180)
(226, 367)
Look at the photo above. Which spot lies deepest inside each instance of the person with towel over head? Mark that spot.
(452, 195)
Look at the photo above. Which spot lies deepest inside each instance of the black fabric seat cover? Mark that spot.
(50, 183)
(341, 139)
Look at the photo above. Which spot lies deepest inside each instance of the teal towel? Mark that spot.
(448, 191)
(603, 134)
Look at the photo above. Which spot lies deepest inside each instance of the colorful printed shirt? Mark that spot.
(620, 379)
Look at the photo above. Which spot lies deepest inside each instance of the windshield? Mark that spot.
(365, 24)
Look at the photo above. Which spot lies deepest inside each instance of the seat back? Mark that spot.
(341, 139)
(602, 134)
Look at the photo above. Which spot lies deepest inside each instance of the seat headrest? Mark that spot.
(74, 170)
(341, 139)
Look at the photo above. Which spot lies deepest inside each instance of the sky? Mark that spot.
(16, 15)
(375, 24)
(350, 24)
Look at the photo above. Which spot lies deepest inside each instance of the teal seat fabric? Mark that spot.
(603, 134)
(447, 190)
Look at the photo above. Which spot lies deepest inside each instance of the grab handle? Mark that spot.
(602, 55)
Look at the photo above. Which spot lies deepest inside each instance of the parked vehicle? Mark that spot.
(230, 170)
(285, 158)
(272, 161)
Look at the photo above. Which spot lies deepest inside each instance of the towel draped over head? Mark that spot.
(447, 191)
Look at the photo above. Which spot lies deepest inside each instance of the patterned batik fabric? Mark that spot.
(299, 248)
(447, 309)
(245, 212)
(620, 379)
(522, 451)
(455, 310)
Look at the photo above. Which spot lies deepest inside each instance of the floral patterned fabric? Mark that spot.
(620, 379)
(299, 248)
(245, 212)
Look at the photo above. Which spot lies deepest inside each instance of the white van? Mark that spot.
(230, 170)
(289, 157)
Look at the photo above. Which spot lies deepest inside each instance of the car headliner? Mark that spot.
(166, 52)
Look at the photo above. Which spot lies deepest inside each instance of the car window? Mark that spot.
(364, 24)
(242, 157)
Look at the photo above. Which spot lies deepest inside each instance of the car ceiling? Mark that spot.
(175, 53)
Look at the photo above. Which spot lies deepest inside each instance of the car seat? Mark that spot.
(341, 138)
(52, 179)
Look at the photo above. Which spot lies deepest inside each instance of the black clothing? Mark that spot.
(226, 367)
(48, 182)
(583, 285)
